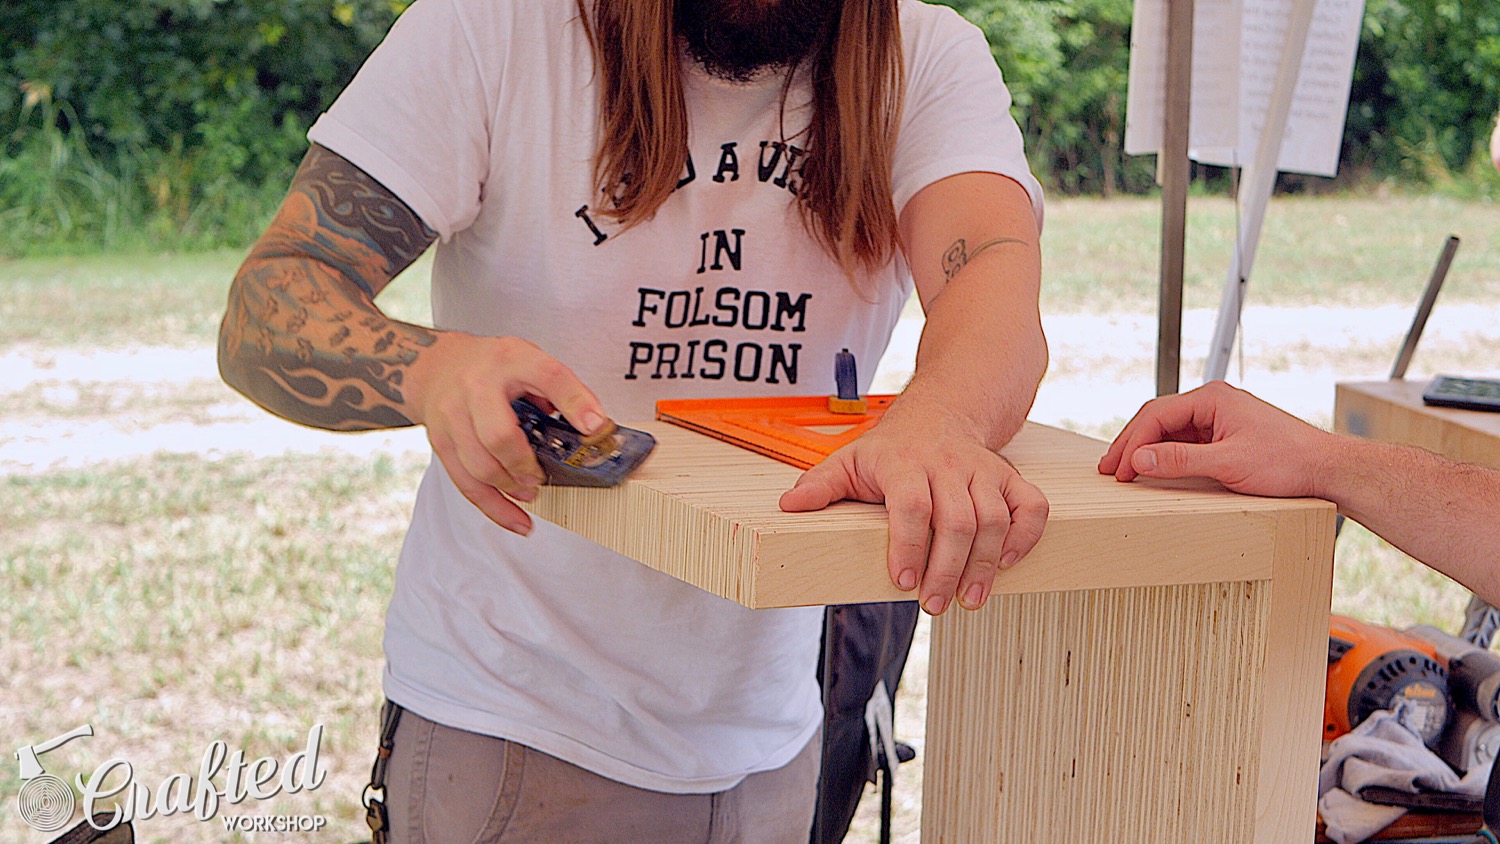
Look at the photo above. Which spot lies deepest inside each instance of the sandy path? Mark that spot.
(69, 408)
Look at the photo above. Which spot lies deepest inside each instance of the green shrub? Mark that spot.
(174, 122)
(1066, 63)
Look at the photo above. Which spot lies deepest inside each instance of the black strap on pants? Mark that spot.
(374, 797)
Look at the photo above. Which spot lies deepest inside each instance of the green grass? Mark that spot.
(1375, 582)
(174, 601)
(144, 299)
(1103, 255)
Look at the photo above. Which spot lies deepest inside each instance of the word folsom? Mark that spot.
(182, 794)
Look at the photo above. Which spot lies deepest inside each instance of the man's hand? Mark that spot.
(958, 511)
(461, 391)
(1223, 433)
(1438, 511)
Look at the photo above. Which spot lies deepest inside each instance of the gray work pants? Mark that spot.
(450, 786)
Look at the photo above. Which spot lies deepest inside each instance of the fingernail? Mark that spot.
(525, 493)
(935, 605)
(907, 580)
(1144, 461)
(592, 422)
(1009, 559)
(974, 597)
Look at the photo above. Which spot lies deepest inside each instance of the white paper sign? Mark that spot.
(1214, 115)
(1237, 46)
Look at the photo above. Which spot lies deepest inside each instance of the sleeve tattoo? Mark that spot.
(959, 255)
(302, 336)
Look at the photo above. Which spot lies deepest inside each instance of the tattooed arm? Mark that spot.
(303, 338)
(958, 511)
(975, 254)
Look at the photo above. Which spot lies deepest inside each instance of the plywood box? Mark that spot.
(1152, 672)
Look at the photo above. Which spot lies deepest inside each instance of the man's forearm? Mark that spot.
(1443, 513)
(308, 346)
(302, 336)
(979, 357)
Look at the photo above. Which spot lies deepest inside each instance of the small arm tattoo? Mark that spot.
(959, 255)
(302, 336)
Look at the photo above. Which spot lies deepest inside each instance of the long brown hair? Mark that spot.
(856, 77)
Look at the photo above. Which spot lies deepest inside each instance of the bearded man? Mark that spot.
(637, 200)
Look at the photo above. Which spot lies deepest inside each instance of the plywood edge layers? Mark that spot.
(692, 544)
(1134, 714)
(765, 567)
(706, 512)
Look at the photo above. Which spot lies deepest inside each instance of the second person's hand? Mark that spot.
(1220, 432)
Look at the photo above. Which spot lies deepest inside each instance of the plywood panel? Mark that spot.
(706, 512)
(1162, 714)
(1392, 411)
(1152, 716)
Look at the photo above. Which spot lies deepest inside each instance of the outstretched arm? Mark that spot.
(302, 337)
(958, 511)
(1440, 512)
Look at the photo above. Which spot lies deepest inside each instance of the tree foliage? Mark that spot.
(1066, 62)
(1426, 86)
(181, 120)
(190, 109)
(1425, 93)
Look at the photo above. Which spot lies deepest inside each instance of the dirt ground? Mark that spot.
(72, 408)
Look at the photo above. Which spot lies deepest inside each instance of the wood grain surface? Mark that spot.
(1392, 411)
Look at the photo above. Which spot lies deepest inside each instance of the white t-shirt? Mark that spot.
(480, 115)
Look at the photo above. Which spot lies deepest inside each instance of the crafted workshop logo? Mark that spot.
(113, 795)
(46, 802)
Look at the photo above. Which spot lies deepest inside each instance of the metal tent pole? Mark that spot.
(1173, 171)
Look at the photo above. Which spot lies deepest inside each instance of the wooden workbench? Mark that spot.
(1152, 672)
(1392, 411)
